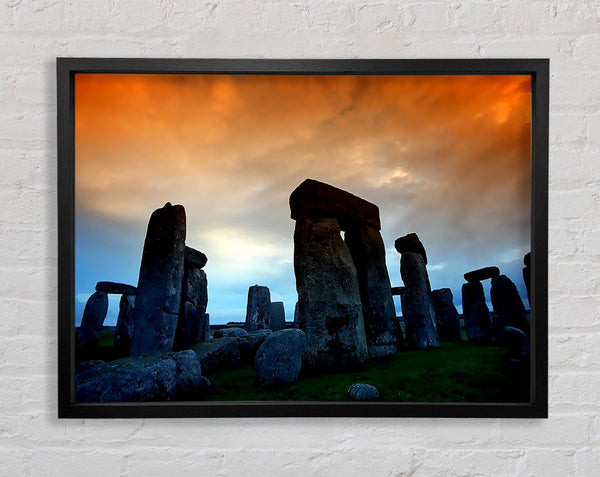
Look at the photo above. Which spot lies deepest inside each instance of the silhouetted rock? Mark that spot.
(507, 304)
(279, 359)
(194, 258)
(527, 275)
(476, 313)
(88, 337)
(258, 308)
(124, 328)
(116, 288)
(329, 303)
(363, 392)
(398, 291)
(482, 274)
(250, 344)
(527, 259)
(446, 314)
(417, 309)
(219, 353)
(384, 336)
(194, 299)
(230, 333)
(158, 298)
(277, 316)
(411, 243)
(319, 199)
(516, 342)
(159, 377)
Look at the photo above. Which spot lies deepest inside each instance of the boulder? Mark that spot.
(507, 304)
(446, 315)
(250, 344)
(194, 258)
(476, 313)
(219, 353)
(124, 328)
(516, 342)
(329, 303)
(482, 274)
(411, 243)
(158, 298)
(277, 316)
(279, 359)
(417, 308)
(116, 288)
(159, 377)
(94, 313)
(258, 308)
(316, 198)
(363, 392)
(384, 336)
(230, 333)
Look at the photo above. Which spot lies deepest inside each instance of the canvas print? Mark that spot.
(333, 238)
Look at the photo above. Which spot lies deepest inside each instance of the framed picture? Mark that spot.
(302, 237)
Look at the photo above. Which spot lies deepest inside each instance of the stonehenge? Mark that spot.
(258, 309)
(508, 305)
(417, 307)
(446, 315)
(277, 313)
(345, 306)
(94, 313)
(476, 314)
(124, 329)
(527, 275)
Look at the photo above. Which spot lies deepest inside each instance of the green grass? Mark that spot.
(457, 372)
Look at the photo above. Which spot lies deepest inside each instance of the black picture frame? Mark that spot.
(539, 71)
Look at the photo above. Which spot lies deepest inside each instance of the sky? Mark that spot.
(446, 157)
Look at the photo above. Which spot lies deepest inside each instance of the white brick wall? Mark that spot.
(33, 442)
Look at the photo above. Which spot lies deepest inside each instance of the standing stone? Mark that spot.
(296, 315)
(516, 342)
(417, 309)
(124, 329)
(158, 298)
(446, 315)
(508, 304)
(379, 313)
(476, 313)
(88, 337)
(277, 313)
(527, 275)
(258, 308)
(279, 358)
(329, 303)
(204, 332)
(194, 299)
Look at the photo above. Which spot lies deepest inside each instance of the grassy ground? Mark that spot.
(457, 372)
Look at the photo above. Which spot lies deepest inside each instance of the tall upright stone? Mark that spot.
(277, 314)
(417, 308)
(124, 329)
(158, 298)
(476, 313)
(329, 303)
(384, 336)
(527, 275)
(508, 305)
(194, 299)
(446, 315)
(258, 308)
(94, 313)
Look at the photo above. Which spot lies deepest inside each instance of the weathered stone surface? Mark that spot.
(417, 309)
(279, 359)
(329, 304)
(277, 316)
(194, 299)
(379, 313)
(363, 392)
(94, 314)
(204, 333)
(316, 198)
(482, 274)
(446, 315)
(158, 298)
(258, 308)
(160, 377)
(411, 243)
(124, 328)
(250, 344)
(508, 304)
(194, 258)
(476, 313)
(398, 291)
(219, 353)
(116, 288)
(230, 333)
(516, 342)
